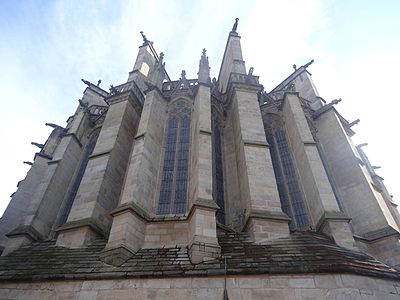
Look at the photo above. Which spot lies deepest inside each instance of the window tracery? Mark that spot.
(174, 180)
(286, 178)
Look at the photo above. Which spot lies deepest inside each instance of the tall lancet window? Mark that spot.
(286, 178)
(174, 180)
(218, 174)
(78, 178)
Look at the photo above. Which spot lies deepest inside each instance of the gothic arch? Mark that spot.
(173, 197)
(290, 193)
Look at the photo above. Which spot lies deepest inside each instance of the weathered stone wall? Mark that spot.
(235, 207)
(301, 287)
(318, 193)
(305, 86)
(361, 202)
(141, 184)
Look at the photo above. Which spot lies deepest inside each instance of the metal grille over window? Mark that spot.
(288, 187)
(174, 181)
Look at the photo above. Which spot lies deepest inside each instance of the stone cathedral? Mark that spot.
(201, 189)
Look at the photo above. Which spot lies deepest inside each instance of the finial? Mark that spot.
(251, 70)
(295, 67)
(161, 57)
(308, 64)
(183, 75)
(145, 40)
(204, 58)
(204, 69)
(235, 25)
(98, 82)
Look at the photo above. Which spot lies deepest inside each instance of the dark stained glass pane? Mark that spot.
(280, 180)
(77, 181)
(173, 189)
(182, 168)
(168, 170)
(297, 204)
(218, 175)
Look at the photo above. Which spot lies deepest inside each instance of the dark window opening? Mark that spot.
(174, 180)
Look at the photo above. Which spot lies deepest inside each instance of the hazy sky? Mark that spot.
(46, 47)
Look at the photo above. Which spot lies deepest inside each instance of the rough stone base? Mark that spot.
(274, 287)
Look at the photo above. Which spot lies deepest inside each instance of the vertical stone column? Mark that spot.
(257, 185)
(323, 207)
(101, 184)
(202, 228)
(362, 201)
(44, 201)
(139, 193)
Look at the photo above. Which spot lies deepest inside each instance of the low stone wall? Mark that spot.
(317, 286)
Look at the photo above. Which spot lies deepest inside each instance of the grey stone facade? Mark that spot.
(161, 164)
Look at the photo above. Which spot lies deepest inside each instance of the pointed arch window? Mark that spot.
(286, 178)
(218, 174)
(78, 178)
(174, 180)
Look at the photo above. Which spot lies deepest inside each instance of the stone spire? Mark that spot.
(204, 69)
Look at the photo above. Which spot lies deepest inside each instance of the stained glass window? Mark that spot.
(78, 178)
(174, 181)
(218, 179)
(288, 187)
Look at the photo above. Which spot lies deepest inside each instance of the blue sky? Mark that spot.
(46, 47)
